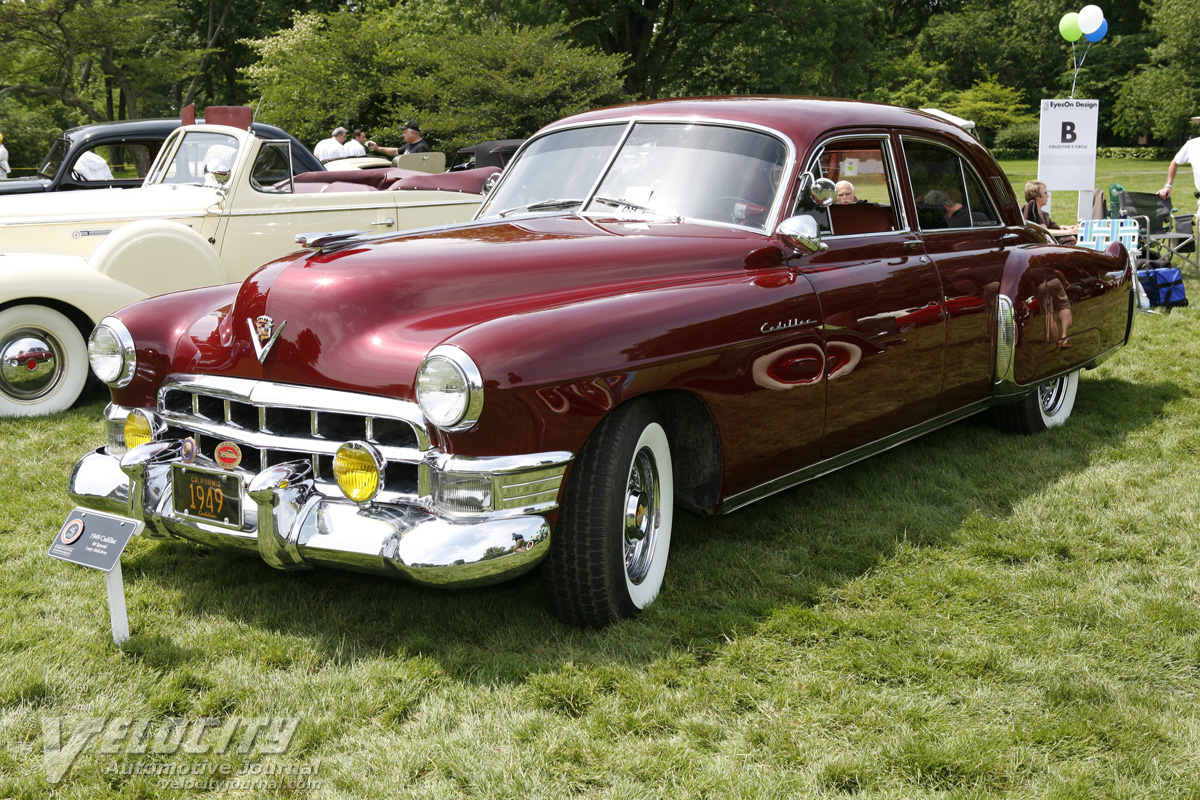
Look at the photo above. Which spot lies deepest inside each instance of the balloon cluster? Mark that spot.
(1089, 24)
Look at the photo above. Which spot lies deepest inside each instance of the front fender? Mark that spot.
(35, 277)
(157, 257)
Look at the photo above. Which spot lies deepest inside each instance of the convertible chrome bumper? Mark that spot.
(294, 525)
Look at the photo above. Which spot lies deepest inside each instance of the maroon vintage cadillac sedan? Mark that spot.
(658, 306)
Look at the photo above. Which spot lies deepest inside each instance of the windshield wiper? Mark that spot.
(544, 205)
(626, 205)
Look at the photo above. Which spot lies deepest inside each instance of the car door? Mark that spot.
(880, 300)
(265, 214)
(967, 243)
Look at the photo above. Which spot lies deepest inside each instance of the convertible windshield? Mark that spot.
(672, 170)
(186, 162)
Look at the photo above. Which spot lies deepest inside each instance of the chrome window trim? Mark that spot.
(963, 161)
(630, 122)
(893, 178)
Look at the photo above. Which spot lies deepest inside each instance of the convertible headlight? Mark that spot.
(449, 388)
(111, 353)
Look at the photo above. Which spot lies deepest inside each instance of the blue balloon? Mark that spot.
(1097, 34)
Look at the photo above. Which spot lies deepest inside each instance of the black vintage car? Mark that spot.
(117, 154)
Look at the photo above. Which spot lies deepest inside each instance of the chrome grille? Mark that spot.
(275, 423)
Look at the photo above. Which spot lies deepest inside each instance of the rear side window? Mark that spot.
(948, 193)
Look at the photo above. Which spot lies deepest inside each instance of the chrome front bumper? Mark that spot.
(293, 525)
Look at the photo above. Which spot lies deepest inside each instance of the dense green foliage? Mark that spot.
(478, 69)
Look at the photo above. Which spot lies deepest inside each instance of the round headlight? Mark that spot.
(142, 427)
(111, 353)
(449, 389)
(358, 468)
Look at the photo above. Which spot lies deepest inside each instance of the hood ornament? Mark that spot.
(263, 335)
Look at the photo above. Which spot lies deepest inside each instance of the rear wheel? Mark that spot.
(609, 551)
(43, 361)
(1049, 405)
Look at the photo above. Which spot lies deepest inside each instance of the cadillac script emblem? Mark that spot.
(263, 335)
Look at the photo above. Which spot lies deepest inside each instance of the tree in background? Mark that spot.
(377, 69)
(1161, 97)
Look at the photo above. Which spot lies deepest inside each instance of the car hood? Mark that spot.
(363, 316)
(149, 202)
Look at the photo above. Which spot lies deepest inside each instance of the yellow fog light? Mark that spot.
(140, 428)
(358, 468)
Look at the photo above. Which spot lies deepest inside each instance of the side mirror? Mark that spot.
(490, 183)
(220, 170)
(802, 234)
(822, 192)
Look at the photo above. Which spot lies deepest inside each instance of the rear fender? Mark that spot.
(1069, 307)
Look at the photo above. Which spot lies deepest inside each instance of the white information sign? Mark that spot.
(1067, 147)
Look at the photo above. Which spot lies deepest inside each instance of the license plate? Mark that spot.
(206, 495)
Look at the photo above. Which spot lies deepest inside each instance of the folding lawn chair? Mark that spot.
(1098, 234)
(1167, 234)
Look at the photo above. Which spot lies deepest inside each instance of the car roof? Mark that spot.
(801, 118)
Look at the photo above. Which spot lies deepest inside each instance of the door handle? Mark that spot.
(389, 221)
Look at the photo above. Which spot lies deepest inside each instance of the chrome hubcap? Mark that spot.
(642, 516)
(1051, 396)
(31, 365)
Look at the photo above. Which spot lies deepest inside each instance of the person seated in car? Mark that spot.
(845, 194)
(1036, 197)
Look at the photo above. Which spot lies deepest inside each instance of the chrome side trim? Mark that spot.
(467, 200)
(741, 499)
(98, 218)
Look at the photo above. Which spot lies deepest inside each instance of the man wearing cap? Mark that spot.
(1188, 154)
(4, 170)
(413, 143)
(331, 148)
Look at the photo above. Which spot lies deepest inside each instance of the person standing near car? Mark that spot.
(4, 169)
(1188, 154)
(331, 148)
(356, 146)
(414, 143)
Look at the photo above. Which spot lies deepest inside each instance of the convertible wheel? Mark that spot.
(1051, 404)
(610, 546)
(44, 361)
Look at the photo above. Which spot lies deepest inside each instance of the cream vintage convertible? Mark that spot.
(217, 203)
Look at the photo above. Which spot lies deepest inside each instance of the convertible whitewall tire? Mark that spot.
(46, 385)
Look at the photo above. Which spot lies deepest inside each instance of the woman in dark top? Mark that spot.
(1035, 198)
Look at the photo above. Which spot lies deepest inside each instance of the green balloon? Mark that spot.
(1068, 26)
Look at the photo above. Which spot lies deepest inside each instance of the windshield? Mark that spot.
(671, 170)
(58, 151)
(186, 162)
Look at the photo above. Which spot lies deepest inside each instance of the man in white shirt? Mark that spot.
(356, 146)
(1188, 154)
(4, 169)
(331, 148)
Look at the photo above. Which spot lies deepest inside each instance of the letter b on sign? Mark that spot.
(1068, 132)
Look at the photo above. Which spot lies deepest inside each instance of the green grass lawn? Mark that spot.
(972, 615)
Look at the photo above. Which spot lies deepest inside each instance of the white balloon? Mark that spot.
(1090, 18)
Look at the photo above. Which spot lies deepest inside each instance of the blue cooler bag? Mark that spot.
(1164, 286)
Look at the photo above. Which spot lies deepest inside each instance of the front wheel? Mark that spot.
(1049, 405)
(609, 551)
(43, 361)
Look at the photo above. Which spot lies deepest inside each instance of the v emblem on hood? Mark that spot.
(262, 336)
